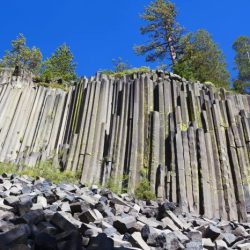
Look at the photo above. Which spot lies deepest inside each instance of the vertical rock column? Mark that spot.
(154, 163)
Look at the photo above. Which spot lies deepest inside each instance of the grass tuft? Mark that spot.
(126, 72)
(45, 169)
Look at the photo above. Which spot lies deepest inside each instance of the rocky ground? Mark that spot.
(37, 214)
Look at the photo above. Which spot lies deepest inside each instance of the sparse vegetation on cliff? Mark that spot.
(126, 72)
(44, 169)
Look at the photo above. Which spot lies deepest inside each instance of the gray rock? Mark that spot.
(195, 235)
(244, 246)
(240, 231)
(194, 245)
(87, 216)
(42, 200)
(212, 232)
(20, 233)
(181, 237)
(229, 238)
(124, 224)
(100, 240)
(208, 244)
(61, 222)
(33, 217)
(137, 241)
(221, 245)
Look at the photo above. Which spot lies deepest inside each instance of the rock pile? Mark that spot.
(37, 214)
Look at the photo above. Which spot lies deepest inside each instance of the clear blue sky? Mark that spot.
(99, 30)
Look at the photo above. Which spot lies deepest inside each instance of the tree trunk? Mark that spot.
(171, 50)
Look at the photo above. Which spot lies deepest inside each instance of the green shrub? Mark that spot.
(45, 169)
(114, 184)
(143, 190)
(7, 168)
(126, 72)
(53, 85)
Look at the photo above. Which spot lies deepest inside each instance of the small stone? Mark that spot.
(244, 246)
(6, 226)
(67, 187)
(150, 221)
(168, 223)
(42, 200)
(7, 185)
(240, 231)
(4, 207)
(61, 222)
(76, 207)
(100, 206)
(98, 214)
(14, 191)
(124, 224)
(65, 207)
(6, 215)
(87, 216)
(220, 245)
(101, 240)
(137, 241)
(117, 200)
(84, 227)
(88, 199)
(145, 232)
(176, 220)
(36, 206)
(85, 241)
(208, 244)
(166, 206)
(110, 231)
(181, 237)
(104, 199)
(194, 245)
(195, 235)
(94, 189)
(11, 201)
(168, 241)
(137, 208)
(212, 232)
(33, 217)
(71, 219)
(229, 238)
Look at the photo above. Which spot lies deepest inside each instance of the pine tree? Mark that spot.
(202, 60)
(242, 63)
(163, 30)
(60, 65)
(21, 55)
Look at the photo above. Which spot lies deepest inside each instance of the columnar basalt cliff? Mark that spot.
(190, 140)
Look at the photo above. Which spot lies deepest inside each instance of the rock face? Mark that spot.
(192, 142)
(74, 217)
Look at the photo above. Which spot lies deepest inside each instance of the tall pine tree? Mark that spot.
(242, 63)
(163, 30)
